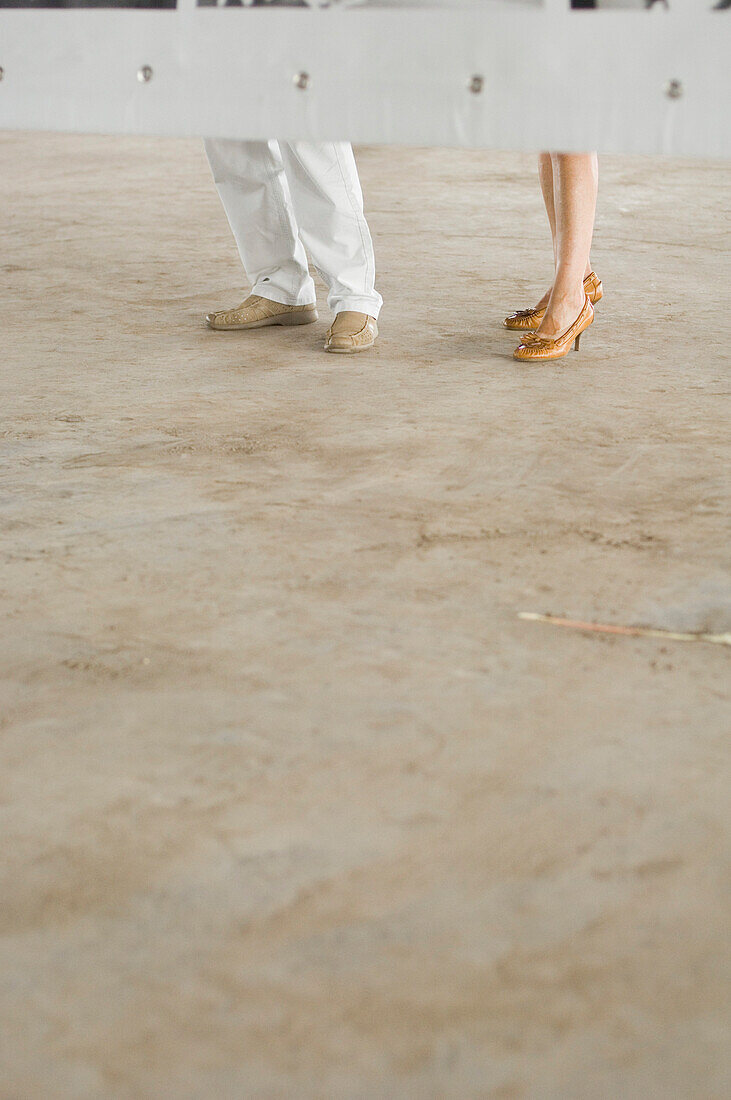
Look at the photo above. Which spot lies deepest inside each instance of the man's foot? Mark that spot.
(351, 332)
(258, 312)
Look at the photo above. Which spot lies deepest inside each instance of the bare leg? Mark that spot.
(545, 175)
(574, 197)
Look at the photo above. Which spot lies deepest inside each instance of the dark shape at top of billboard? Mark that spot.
(148, 4)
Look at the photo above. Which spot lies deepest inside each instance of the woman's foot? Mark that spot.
(528, 320)
(544, 300)
(547, 296)
(588, 287)
(537, 348)
(560, 315)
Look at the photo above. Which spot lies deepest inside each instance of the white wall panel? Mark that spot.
(597, 79)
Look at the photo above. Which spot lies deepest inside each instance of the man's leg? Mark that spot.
(328, 205)
(253, 187)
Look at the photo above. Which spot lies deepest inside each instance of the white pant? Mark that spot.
(282, 198)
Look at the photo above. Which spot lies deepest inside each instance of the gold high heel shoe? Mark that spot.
(534, 347)
(524, 320)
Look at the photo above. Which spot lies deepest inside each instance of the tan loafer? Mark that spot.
(258, 312)
(351, 332)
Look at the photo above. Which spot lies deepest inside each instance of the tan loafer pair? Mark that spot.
(350, 332)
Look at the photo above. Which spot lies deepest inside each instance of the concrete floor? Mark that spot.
(293, 804)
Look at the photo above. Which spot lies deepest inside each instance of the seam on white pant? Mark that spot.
(359, 217)
(280, 200)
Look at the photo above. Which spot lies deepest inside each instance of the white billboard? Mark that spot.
(512, 74)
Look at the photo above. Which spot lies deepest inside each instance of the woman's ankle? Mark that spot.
(561, 313)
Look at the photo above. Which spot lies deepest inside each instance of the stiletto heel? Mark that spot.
(535, 347)
(525, 320)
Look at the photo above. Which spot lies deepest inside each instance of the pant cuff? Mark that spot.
(358, 305)
(272, 294)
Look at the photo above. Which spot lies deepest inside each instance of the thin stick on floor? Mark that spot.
(631, 631)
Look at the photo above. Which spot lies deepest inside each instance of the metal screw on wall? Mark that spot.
(477, 84)
(302, 81)
(144, 75)
(674, 89)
